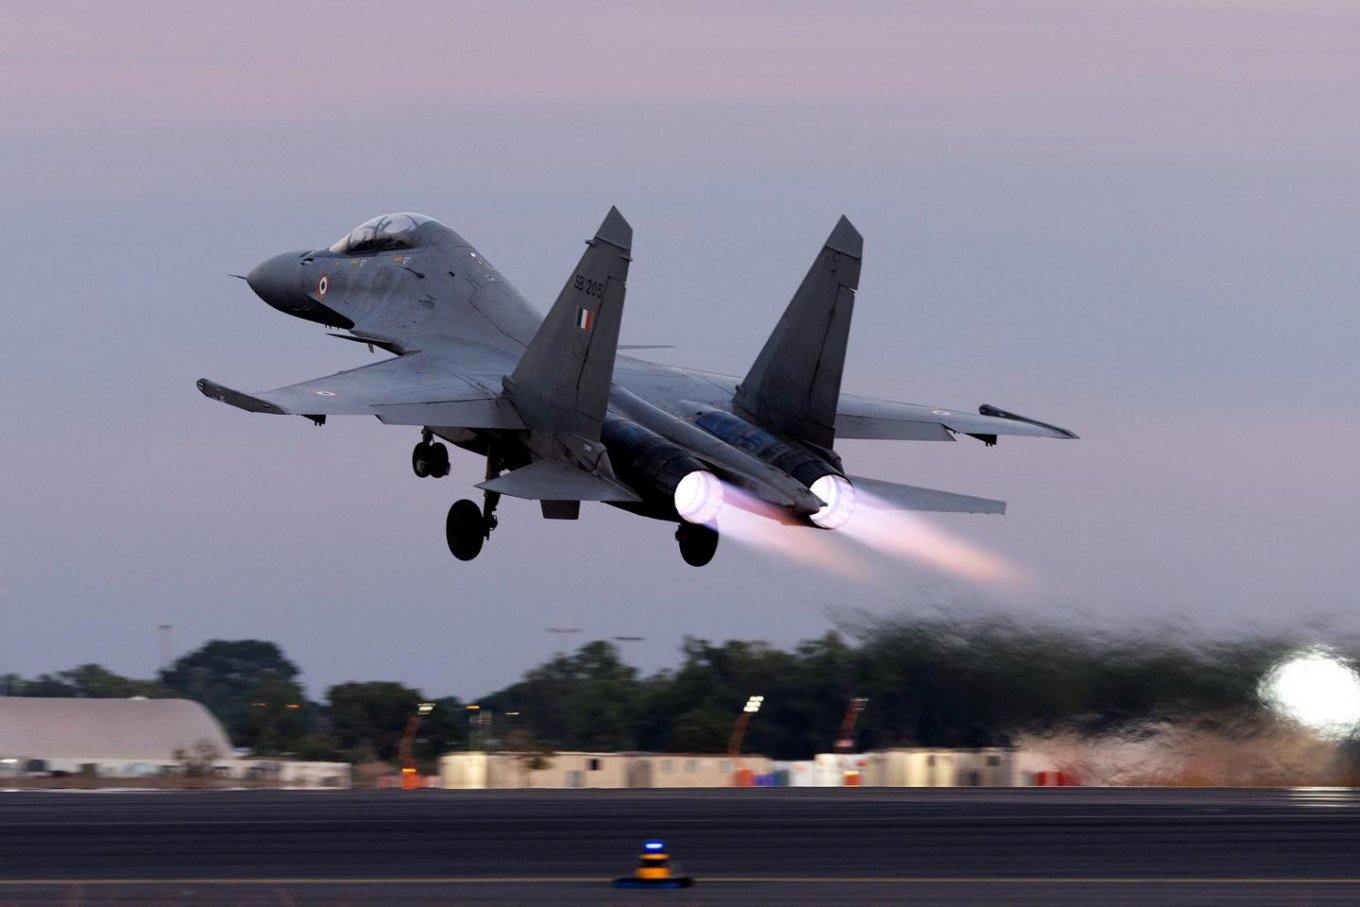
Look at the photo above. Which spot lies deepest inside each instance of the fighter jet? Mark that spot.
(561, 417)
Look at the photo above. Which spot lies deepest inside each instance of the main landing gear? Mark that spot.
(698, 543)
(469, 526)
(430, 458)
(465, 529)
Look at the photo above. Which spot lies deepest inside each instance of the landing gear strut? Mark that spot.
(430, 458)
(491, 498)
(697, 543)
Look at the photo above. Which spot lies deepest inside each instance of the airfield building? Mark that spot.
(476, 770)
(136, 738)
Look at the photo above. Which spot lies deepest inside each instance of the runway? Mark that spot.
(793, 846)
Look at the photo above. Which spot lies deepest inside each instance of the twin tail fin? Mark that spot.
(795, 383)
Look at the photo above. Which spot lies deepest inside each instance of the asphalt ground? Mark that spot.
(791, 846)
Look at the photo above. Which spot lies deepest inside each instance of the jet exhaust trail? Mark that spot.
(904, 534)
(874, 524)
(752, 522)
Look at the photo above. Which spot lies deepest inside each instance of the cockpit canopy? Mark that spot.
(387, 231)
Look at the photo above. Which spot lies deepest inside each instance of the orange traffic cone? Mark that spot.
(653, 870)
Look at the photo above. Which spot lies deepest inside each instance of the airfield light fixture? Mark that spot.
(410, 772)
(1317, 689)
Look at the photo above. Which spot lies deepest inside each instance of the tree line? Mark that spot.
(929, 681)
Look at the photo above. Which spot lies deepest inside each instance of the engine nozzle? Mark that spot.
(699, 497)
(838, 501)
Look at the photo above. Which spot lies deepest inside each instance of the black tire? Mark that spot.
(465, 530)
(698, 543)
(439, 465)
(421, 457)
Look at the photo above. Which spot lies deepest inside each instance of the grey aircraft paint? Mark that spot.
(562, 418)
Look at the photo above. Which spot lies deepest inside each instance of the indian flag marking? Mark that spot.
(584, 318)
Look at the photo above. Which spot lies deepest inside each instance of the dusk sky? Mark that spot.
(1138, 220)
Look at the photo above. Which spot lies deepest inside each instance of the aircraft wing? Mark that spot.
(865, 417)
(414, 389)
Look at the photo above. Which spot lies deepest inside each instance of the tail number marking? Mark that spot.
(589, 287)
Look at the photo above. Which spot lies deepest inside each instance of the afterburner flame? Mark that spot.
(838, 498)
(699, 497)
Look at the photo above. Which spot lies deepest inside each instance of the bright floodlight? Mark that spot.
(1316, 689)
(698, 497)
(753, 704)
(425, 708)
(838, 501)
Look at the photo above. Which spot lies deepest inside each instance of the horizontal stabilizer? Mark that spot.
(909, 497)
(553, 480)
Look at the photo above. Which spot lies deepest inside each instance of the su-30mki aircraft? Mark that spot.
(561, 418)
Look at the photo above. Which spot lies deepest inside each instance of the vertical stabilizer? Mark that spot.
(561, 385)
(796, 381)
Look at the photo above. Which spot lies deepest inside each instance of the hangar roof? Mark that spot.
(136, 729)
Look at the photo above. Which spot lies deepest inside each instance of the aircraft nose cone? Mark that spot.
(275, 280)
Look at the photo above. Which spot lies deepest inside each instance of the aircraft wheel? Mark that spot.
(422, 458)
(440, 456)
(465, 530)
(698, 543)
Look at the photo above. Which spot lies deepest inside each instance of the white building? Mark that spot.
(135, 738)
(478, 770)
